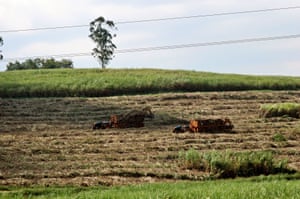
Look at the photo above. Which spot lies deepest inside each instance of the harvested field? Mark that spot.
(50, 141)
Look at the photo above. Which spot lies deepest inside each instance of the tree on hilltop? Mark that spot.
(103, 38)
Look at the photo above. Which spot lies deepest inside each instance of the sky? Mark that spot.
(276, 57)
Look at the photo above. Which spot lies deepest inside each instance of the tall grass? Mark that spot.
(228, 164)
(280, 109)
(221, 189)
(96, 82)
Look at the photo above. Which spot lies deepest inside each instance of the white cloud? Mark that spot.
(127, 39)
(11, 14)
(290, 68)
(77, 45)
(287, 68)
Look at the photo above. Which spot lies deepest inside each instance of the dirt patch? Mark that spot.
(50, 141)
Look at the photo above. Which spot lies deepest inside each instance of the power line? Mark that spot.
(169, 47)
(42, 28)
(215, 43)
(154, 19)
(209, 15)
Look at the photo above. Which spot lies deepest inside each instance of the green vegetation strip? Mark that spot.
(280, 109)
(257, 188)
(231, 164)
(97, 82)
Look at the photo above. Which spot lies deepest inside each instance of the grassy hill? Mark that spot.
(97, 82)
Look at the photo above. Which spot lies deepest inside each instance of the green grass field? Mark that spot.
(97, 82)
(259, 188)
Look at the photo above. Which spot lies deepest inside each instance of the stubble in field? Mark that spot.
(50, 141)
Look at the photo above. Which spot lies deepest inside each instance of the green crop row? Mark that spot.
(97, 82)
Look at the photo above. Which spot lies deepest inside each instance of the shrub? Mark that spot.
(39, 64)
(278, 137)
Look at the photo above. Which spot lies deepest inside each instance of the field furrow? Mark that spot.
(51, 141)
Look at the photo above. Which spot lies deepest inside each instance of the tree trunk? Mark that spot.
(102, 64)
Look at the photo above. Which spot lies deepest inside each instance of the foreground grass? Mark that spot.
(96, 82)
(258, 188)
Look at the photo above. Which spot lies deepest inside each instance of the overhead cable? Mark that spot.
(215, 43)
(209, 15)
(153, 19)
(167, 47)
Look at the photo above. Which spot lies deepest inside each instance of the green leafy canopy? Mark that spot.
(103, 38)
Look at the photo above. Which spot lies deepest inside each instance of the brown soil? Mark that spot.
(50, 141)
